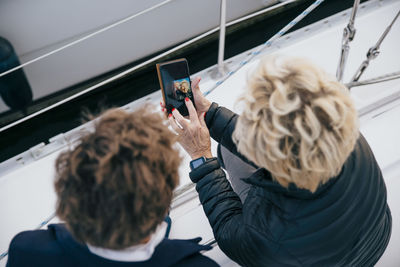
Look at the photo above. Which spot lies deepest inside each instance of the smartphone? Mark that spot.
(175, 84)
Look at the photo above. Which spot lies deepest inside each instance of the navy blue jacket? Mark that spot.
(346, 222)
(56, 247)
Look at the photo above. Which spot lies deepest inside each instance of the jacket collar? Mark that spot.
(263, 178)
(140, 252)
(351, 166)
(167, 253)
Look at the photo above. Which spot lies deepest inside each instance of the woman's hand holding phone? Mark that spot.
(202, 103)
(194, 136)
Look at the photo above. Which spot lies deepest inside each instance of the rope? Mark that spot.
(379, 79)
(43, 223)
(113, 25)
(267, 44)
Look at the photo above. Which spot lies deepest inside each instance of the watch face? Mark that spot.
(197, 162)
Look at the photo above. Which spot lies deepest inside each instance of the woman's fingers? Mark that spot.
(192, 110)
(180, 119)
(195, 83)
(202, 104)
(194, 136)
(163, 109)
(162, 105)
(174, 125)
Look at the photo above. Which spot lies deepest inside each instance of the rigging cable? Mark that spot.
(379, 79)
(113, 25)
(267, 44)
(348, 35)
(373, 52)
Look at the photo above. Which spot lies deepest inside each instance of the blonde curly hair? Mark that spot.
(298, 123)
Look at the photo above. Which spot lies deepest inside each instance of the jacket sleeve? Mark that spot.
(237, 238)
(221, 123)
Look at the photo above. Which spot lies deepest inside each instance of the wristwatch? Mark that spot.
(197, 162)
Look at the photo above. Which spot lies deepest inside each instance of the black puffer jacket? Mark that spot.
(346, 222)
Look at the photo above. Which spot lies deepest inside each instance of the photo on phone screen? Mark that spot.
(175, 84)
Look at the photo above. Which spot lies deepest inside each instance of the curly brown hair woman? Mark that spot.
(114, 190)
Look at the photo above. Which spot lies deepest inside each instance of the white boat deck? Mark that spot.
(26, 187)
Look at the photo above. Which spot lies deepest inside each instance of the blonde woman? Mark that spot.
(307, 190)
(185, 86)
(181, 90)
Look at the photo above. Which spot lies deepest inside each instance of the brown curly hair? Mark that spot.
(116, 186)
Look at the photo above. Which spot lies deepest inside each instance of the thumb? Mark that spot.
(195, 83)
(202, 119)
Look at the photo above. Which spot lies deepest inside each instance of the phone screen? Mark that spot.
(176, 86)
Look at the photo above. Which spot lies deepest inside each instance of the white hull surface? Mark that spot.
(26, 192)
(38, 27)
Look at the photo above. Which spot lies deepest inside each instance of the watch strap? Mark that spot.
(197, 162)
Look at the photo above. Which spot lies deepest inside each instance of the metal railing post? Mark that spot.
(221, 46)
(348, 36)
